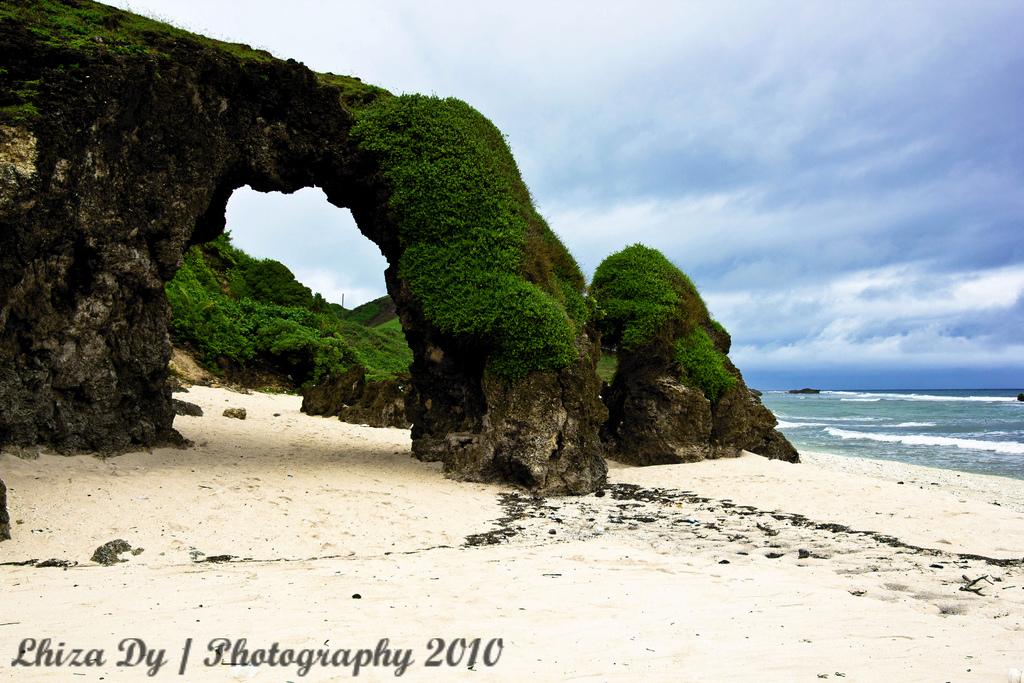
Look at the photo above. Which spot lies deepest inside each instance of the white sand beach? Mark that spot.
(745, 569)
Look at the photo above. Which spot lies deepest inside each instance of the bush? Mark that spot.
(205, 318)
(647, 305)
(703, 366)
(638, 293)
(465, 220)
(269, 281)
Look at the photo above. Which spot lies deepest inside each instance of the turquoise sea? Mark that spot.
(973, 430)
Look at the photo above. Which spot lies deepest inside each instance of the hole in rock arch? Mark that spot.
(291, 293)
(318, 241)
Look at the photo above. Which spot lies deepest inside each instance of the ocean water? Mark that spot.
(977, 430)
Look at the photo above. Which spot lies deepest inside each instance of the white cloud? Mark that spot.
(918, 349)
(900, 316)
(336, 287)
(319, 242)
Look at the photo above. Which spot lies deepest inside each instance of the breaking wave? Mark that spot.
(930, 440)
(783, 424)
(870, 396)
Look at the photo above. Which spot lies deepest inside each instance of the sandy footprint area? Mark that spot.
(266, 529)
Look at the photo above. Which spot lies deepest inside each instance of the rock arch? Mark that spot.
(125, 150)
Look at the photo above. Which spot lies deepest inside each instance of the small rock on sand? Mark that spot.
(109, 553)
(237, 413)
(186, 408)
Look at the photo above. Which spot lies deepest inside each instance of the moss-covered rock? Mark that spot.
(476, 255)
(675, 396)
(327, 397)
(648, 305)
(121, 140)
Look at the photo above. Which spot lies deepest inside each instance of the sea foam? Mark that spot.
(831, 419)
(783, 424)
(931, 440)
(872, 396)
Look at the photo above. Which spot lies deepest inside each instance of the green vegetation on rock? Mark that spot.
(95, 30)
(252, 312)
(703, 364)
(644, 301)
(354, 93)
(93, 27)
(477, 256)
(607, 364)
(639, 292)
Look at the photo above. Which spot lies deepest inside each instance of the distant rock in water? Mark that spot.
(805, 390)
(5, 519)
(676, 397)
(351, 398)
(1020, 397)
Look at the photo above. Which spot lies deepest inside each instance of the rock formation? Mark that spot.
(381, 404)
(328, 396)
(805, 390)
(5, 519)
(654, 419)
(675, 397)
(121, 140)
(741, 421)
(351, 398)
(186, 408)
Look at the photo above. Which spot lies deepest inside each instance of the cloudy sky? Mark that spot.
(843, 181)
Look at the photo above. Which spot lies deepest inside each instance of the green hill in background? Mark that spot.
(238, 314)
(374, 313)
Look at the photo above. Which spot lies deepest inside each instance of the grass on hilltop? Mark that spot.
(82, 29)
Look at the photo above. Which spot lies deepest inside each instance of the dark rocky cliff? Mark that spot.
(122, 139)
